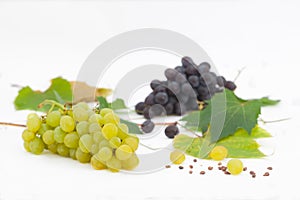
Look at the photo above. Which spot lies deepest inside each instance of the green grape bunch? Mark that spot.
(89, 136)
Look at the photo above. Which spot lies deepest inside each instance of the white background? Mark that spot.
(42, 40)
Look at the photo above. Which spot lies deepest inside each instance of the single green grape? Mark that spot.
(63, 150)
(71, 140)
(123, 152)
(53, 148)
(59, 135)
(218, 153)
(123, 131)
(80, 114)
(114, 164)
(28, 135)
(131, 162)
(177, 157)
(96, 164)
(94, 149)
(53, 118)
(94, 127)
(72, 153)
(104, 111)
(111, 118)
(85, 143)
(44, 127)
(115, 142)
(33, 122)
(104, 154)
(94, 118)
(109, 130)
(235, 166)
(103, 143)
(83, 105)
(26, 146)
(67, 123)
(98, 137)
(48, 137)
(36, 146)
(82, 128)
(82, 157)
(132, 141)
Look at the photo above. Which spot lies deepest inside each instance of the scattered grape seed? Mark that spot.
(191, 166)
(270, 168)
(168, 166)
(210, 168)
(195, 160)
(180, 167)
(245, 169)
(190, 172)
(202, 172)
(266, 174)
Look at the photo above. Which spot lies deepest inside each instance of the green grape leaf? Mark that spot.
(224, 114)
(266, 101)
(239, 145)
(102, 103)
(115, 105)
(133, 127)
(60, 90)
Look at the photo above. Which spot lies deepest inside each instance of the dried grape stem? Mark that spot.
(12, 124)
(239, 73)
(163, 123)
(273, 121)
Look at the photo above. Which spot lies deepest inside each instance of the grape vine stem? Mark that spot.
(12, 124)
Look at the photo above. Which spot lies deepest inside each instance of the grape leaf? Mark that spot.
(133, 127)
(239, 145)
(59, 90)
(115, 105)
(266, 101)
(225, 113)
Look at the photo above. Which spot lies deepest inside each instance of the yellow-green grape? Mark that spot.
(82, 157)
(111, 118)
(67, 123)
(80, 114)
(104, 154)
(53, 118)
(218, 153)
(83, 105)
(235, 166)
(104, 111)
(48, 137)
(123, 152)
(26, 146)
(131, 162)
(114, 164)
(82, 128)
(94, 149)
(53, 148)
(103, 143)
(71, 140)
(44, 127)
(109, 130)
(36, 146)
(33, 122)
(28, 135)
(131, 141)
(115, 142)
(85, 143)
(59, 135)
(122, 131)
(96, 164)
(72, 153)
(177, 157)
(63, 150)
(94, 127)
(98, 137)
(94, 118)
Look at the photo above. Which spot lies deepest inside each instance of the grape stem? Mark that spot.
(239, 73)
(12, 124)
(273, 121)
(52, 103)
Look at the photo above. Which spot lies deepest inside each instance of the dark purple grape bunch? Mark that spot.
(184, 87)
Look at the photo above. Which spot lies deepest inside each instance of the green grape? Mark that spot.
(103, 143)
(123, 152)
(26, 146)
(82, 157)
(218, 153)
(111, 118)
(104, 154)
(90, 112)
(132, 141)
(36, 146)
(115, 142)
(104, 111)
(109, 130)
(122, 131)
(96, 164)
(82, 128)
(44, 127)
(131, 162)
(72, 153)
(53, 148)
(48, 137)
(67, 123)
(235, 166)
(94, 127)
(85, 143)
(80, 114)
(63, 150)
(94, 118)
(83, 105)
(114, 164)
(33, 122)
(94, 149)
(98, 137)
(177, 157)
(71, 140)
(53, 118)
(28, 135)
(59, 135)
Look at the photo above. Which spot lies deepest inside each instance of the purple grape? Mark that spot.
(139, 107)
(147, 126)
(230, 85)
(149, 99)
(194, 81)
(154, 84)
(171, 131)
(161, 98)
(170, 74)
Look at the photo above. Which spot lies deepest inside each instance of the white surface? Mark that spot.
(42, 40)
